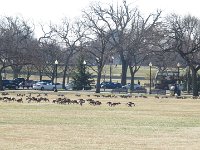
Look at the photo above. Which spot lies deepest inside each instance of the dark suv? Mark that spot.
(9, 84)
(110, 85)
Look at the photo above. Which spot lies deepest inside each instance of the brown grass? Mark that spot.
(151, 124)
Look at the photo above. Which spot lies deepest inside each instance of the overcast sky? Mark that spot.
(45, 10)
(54, 9)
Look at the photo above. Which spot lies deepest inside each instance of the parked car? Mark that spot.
(28, 84)
(136, 86)
(9, 84)
(19, 80)
(118, 85)
(110, 85)
(46, 86)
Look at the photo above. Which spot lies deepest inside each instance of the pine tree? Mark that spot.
(82, 78)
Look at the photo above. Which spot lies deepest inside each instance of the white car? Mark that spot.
(46, 86)
(136, 86)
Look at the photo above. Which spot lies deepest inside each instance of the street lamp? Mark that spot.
(150, 65)
(188, 79)
(56, 65)
(84, 64)
(104, 80)
(178, 66)
(111, 61)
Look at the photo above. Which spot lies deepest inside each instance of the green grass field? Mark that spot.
(151, 124)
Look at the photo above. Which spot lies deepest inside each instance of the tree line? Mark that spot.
(103, 31)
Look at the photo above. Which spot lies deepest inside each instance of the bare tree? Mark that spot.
(15, 38)
(68, 35)
(118, 22)
(20, 37)
(140, 41)
(98, 44)
(49, 51)
(183, 37)
(166, 60)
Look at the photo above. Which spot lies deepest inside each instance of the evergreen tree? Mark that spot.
(82, 78)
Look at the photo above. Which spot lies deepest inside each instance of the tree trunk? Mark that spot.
(124, 72)
(1, 83)
(28, 75)
(54, 74)
(98, 82)
(68, 78)
(132, 80)
(40, 72)
(64, 76)
(53, 78)
(188, 81)
(194, 82)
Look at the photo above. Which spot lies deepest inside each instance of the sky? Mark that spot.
(182, 7)
(44, 11)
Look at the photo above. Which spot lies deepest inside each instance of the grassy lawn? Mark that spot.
(151, 124)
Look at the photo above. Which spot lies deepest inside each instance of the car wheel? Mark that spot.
(42, 88)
